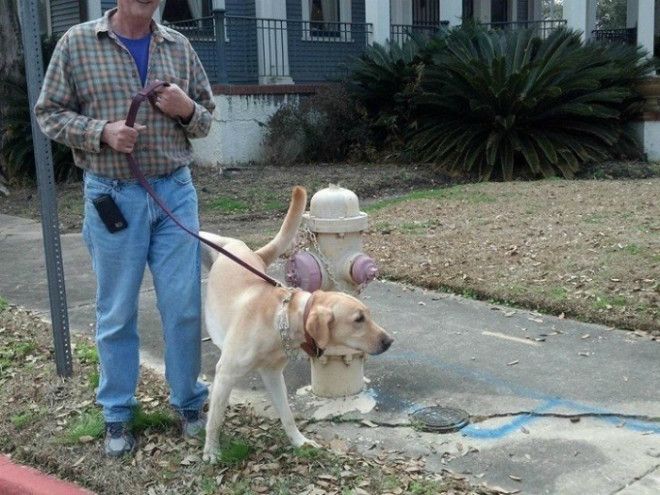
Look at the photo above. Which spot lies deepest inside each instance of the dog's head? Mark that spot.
(336, 318)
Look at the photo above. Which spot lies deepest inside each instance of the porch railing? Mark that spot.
(625, 35)
(201, 33)
(248, 50)
(541, 28)
(400, 33)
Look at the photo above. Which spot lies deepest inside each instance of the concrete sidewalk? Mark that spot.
(562, 406)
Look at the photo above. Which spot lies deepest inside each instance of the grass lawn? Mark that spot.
(587, 248)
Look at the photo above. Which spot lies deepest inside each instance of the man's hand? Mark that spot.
(120, 137)
(174, 102)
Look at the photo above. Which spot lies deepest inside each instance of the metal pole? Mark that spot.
(34, 73)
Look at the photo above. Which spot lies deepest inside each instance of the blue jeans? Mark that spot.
(119, 260)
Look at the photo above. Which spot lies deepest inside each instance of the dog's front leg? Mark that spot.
(222, 385)
(274, 382)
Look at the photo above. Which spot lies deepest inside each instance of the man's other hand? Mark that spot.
(174, 102)
(120, 137)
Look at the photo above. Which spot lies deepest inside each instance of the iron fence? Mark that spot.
(541, 28)
(400, 33)
(302, 51)
(257, 50)
(202, 35)
(625, 35)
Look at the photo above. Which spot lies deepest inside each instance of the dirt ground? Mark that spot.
(53, 424)
(589, 249)
(585, 249)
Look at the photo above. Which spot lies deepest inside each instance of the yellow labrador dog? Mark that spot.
(242, 312)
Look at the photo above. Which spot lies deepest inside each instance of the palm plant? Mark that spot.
(507, 104)
(383, 80)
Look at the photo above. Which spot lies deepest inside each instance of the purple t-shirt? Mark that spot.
(139, 48)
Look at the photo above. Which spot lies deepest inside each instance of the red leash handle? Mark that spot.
(147, 94)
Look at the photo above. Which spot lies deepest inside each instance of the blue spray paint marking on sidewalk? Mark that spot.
(515, 424)
(474, 431)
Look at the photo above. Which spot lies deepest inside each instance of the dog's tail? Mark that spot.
(209, 255)
(287, 232)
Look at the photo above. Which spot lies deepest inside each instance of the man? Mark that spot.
(96, 69)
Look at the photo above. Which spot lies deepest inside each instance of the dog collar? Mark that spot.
(284, 327)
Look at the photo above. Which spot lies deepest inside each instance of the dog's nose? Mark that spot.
(385, 343)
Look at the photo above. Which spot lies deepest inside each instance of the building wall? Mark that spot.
(64, 14)
(313, 61)
(523, 10)
(108, 4)
(241, 46)
(238, 129)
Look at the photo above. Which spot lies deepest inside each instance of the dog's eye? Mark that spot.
(360, 318)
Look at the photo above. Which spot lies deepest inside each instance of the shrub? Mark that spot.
(326, 127)
(383, 80)
(16, 148)
(508, 104)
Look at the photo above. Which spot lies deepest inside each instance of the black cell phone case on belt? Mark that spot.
(110, 213)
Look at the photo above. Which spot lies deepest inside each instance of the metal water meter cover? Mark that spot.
(440, 419)
(335, 210)
(338, 373)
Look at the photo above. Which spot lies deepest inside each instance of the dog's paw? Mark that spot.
(211, 455)
(306, 442)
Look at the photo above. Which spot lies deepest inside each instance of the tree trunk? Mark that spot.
(11, 46)
(11, 61)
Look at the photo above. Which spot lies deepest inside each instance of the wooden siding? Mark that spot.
(314, 61)
(523, 10)
(107, 5)
(241, 48)
(64, 14)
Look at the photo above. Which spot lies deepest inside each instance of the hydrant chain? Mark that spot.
(324, 261)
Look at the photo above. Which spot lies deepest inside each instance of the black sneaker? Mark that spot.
(118, 439)
(192, 423)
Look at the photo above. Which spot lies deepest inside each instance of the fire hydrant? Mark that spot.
(335, 261)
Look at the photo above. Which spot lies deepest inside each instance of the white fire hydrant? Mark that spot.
(334, 261)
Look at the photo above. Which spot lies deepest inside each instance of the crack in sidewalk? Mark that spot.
(475, 419)
(636, 479)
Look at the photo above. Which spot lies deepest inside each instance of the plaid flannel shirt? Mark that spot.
(91, 80)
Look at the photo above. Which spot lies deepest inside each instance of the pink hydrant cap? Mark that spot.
(363, 269)
(302, 270)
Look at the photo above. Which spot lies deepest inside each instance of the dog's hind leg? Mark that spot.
(274, 382)
(222, 385)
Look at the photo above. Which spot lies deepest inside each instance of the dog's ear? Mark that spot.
(318, 325)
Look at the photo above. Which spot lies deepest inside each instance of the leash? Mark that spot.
(148, 93)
